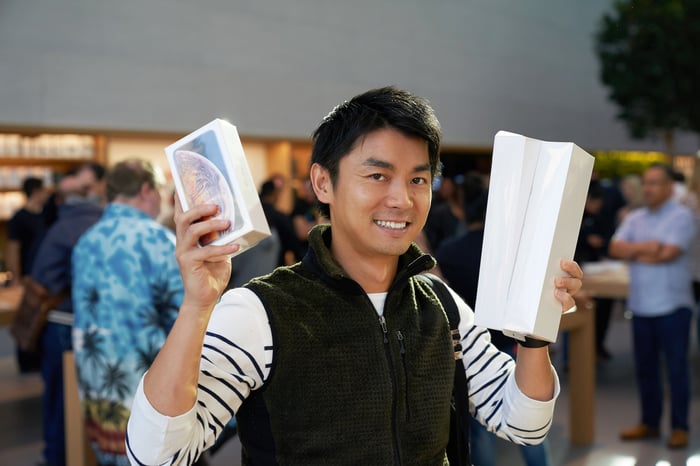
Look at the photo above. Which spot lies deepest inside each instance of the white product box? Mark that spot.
(537, 194)
(209, 166)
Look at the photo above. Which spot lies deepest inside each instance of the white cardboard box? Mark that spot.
(209, 166)
(536, 198)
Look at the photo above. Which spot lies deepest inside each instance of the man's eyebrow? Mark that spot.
(373, 162)
(422, 168)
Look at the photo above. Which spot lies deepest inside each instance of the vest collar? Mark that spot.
(320, 260)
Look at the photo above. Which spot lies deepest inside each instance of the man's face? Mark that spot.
(41, 195)
(593, 205)
(89, 185)
(381, 197)
(657, 187)
(152, 201)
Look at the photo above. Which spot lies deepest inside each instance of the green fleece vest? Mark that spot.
(347, 388)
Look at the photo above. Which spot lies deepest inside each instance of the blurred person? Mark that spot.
(127, 290)
(692, 201)
(166, 216)
(282, 247)
(84, 181)
(631, 188)
(304, 215)
(446, 216)
(597, 228)
(654, 240)
(80, 209)
(290, 354)
(680, 188)
(291, 249)
(25, 230)
(459, 259)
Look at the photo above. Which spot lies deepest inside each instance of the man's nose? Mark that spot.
(399, 195)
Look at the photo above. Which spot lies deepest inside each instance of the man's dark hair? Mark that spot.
(267, 188)
(475, 211)
(667, 169)
(126, 178)
(386, 107)
(31, 184)
(595, 190)
(678, 176)
(474, 198)
(97, 168)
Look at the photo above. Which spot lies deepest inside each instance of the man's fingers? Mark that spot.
(572, 268)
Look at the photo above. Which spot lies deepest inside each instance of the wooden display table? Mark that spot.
(581, 328)
(609, 279)
(600, 280)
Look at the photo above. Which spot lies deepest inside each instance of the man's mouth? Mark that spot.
(391, 225)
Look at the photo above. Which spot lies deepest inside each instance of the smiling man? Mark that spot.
(345, 357)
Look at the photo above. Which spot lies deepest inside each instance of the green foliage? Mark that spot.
(649, 55)
(616, 164)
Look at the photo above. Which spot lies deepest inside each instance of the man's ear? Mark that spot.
(321, 182)
(145, 189)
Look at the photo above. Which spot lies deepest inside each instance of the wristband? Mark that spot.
(533, 343)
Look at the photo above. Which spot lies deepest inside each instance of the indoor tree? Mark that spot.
(649, 52)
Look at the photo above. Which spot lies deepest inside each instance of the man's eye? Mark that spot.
(419, 180)
(377, 176)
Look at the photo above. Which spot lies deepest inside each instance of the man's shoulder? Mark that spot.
(20, 214)
(682, 209)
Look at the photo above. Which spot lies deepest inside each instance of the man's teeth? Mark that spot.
(392, 225)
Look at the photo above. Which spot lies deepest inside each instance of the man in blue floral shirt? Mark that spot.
(126, 293)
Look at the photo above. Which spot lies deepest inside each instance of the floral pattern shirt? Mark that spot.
(127, 290)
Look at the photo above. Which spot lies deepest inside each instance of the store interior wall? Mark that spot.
(275, 68)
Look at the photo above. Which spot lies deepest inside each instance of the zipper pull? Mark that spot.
(382, 323)
(402, 348)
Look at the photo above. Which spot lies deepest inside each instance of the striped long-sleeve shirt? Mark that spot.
(236, 359)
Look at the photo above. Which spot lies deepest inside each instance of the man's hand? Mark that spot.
(205, 270)
(567, 286)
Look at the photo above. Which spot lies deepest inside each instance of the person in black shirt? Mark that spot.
(24, 232)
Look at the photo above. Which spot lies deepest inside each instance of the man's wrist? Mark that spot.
(530, 342)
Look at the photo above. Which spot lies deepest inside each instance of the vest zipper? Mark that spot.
(402, 349)
(392, 370)
(382, 324)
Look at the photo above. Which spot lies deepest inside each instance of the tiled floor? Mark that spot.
(616, 408)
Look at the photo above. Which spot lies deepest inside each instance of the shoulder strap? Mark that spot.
(458, 447)
(450, 307)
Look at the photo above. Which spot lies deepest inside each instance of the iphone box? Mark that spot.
(209, 166)
(537, 193)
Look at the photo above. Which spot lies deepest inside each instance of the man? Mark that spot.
(24, 232)
(654, 240)
(126, 292)
(25, 228)
(80, 209)
(352, 351)
(291, 248)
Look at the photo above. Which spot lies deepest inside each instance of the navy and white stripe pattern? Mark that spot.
(494, 398)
